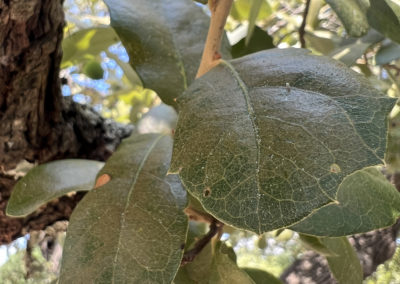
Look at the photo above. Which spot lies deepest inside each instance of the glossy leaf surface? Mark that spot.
(132, 229)
(264, 140)
(164, 40)
(49, 181)
(366, 201)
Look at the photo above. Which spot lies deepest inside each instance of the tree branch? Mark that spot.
(211, 55)
(302, 29)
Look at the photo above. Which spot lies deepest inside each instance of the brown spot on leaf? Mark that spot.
(207, 192)
(102, 180)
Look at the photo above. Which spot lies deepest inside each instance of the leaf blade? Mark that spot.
(345, 267)
(166, 61)
(137, 207)
(49, 181)
(366, 201)
(262, 117)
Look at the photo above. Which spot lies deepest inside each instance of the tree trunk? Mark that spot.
(36, 123)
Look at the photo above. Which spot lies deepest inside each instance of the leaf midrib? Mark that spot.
(132, 187)
(252, 116)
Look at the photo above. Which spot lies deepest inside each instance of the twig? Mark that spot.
(215, 228)
(302, 29)
(211, 56)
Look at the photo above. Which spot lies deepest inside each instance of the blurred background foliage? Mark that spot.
(95, 71)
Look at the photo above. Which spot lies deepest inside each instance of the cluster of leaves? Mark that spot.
(268, 140)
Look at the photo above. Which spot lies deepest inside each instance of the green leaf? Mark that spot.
(197, 271)
(345, 267)
(254, 11)
(358, 15)
(264, 140)
(86, 44)
(241, 10)
(261, 277)
(49, 181)
(352, 13)
(214, 265)
(132, 229)
(351, 49)
(225, 270)
(366, 201)
(315, 244)
(164, 40)
(260, 40)
(384, 16)
(388, 53)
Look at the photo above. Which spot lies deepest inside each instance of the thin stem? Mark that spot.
(302, 29)
(211, 55)
(215, 228)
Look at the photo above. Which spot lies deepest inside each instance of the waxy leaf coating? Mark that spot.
(132, 229)
(264, 140)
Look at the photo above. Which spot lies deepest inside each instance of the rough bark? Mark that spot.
(36, 123)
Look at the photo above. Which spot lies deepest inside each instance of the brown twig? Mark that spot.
(211, 55)
(302, 29)
(215, 228)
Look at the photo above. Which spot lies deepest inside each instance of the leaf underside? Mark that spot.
(345, 265)
(49, 181)
(264, 140)
(132, 229)
(164, 40)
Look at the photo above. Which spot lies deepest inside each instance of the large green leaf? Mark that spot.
(264, 140)
(49, 181)
(384, 16)
(366, 201)
(358, 15)
(352, 13)
(86, 43)
(132, 229)
(164, 40)
(345, 266)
